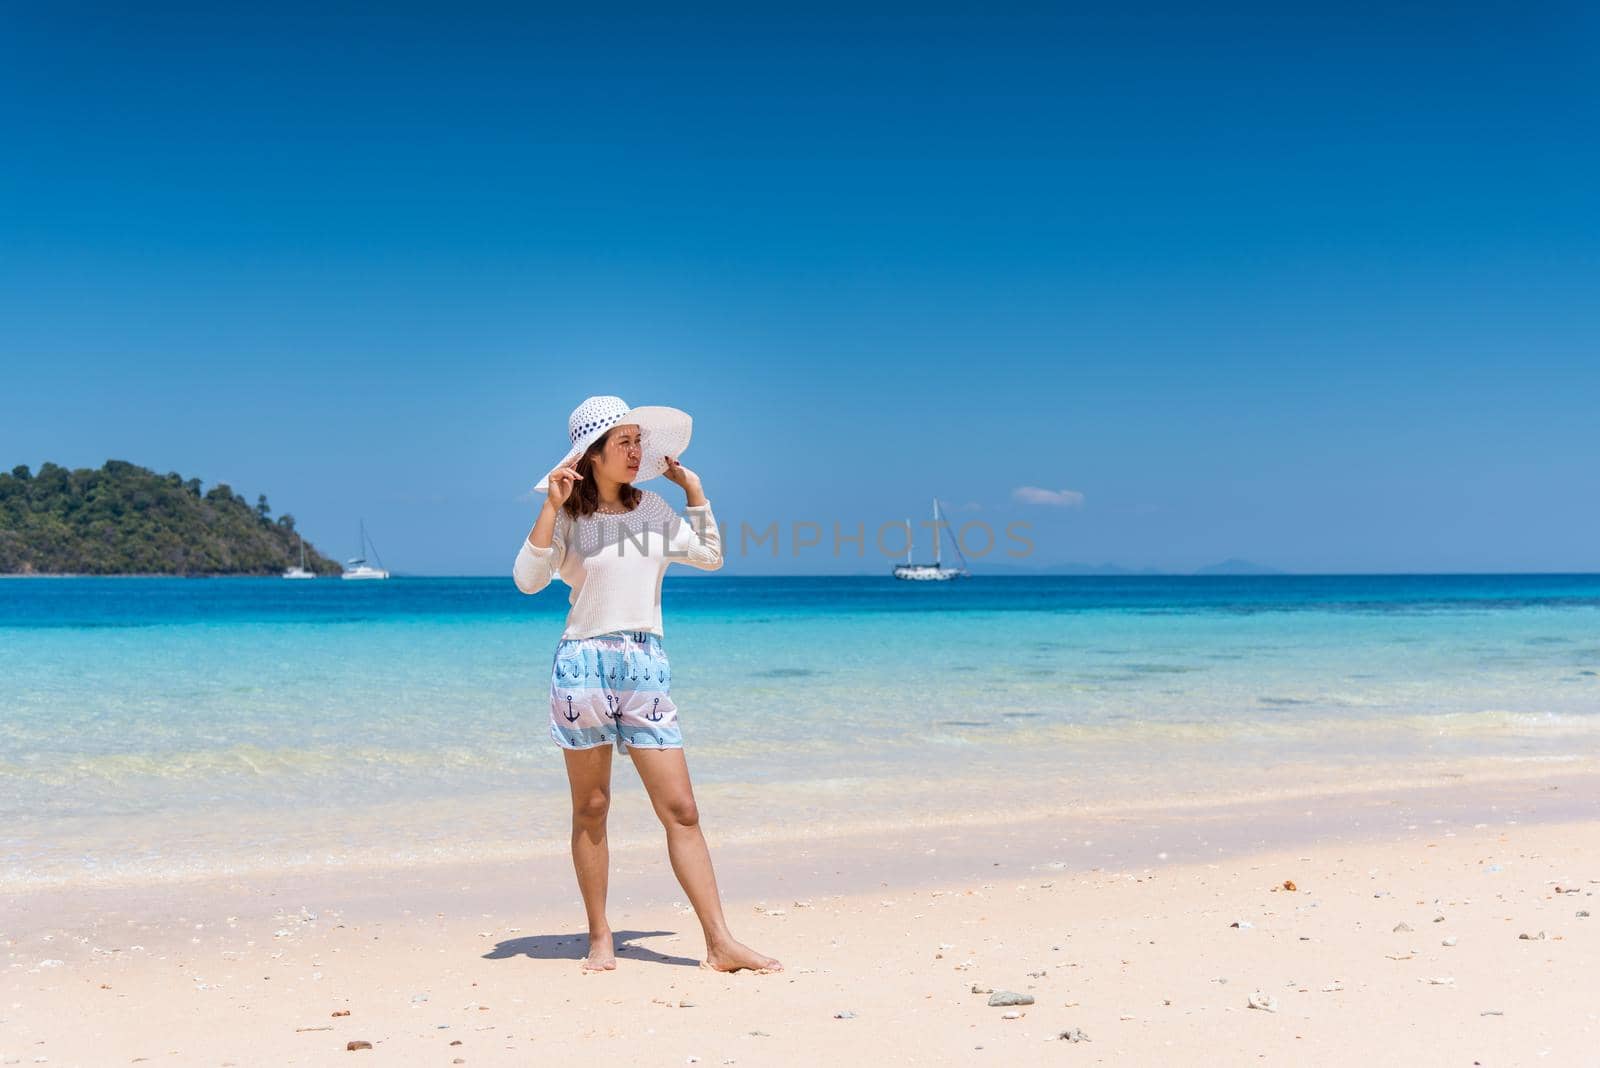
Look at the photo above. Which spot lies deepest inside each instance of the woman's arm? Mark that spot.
(697, 542)
(542, 552)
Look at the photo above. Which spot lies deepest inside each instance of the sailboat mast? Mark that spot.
(373, 545)
(909, 538)
(955, 540)
(936, 538)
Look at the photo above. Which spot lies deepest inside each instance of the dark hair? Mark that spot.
(585, 496)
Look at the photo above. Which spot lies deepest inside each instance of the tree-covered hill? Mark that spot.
(128, 520)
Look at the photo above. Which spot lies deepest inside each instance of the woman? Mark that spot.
(611, 542)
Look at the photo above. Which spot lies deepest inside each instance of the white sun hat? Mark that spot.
(663, 432)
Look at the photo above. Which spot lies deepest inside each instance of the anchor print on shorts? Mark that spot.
(613, 689)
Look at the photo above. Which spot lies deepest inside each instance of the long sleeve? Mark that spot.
(696, 540)
(535, 567)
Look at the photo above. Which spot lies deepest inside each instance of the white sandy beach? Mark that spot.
(1119, 929)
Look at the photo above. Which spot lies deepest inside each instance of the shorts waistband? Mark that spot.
(641, 636)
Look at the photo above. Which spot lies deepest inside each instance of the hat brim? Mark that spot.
(663, 432)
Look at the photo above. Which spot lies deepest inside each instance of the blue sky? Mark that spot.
(1316, 289)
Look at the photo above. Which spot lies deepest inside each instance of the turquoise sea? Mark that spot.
(151, 728)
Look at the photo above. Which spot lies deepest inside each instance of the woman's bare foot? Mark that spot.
(732, 956)
(601, 958)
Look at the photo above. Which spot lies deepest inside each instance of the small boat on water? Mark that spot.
(936, 571)
(358, 568)
(300, 572)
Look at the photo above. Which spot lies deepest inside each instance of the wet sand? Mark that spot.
(1118, 923)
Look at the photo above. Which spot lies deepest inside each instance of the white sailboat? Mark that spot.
(358, 568)
(300, 572)
(936, 571)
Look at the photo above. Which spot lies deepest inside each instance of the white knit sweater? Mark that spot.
(615, 563)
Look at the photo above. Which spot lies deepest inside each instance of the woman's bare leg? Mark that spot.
(589, 775)
(665, 775)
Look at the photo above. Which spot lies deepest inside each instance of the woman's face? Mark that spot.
(619, 458)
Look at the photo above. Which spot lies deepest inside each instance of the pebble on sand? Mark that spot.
(1010, 997)
(1073, 1034)
(1264, 1002)
(1526, 937)
(844, 1014)
(355, 1044)
(1013, 1015)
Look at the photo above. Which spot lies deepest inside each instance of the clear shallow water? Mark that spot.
(151, 722)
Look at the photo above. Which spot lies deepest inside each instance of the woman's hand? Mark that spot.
(682, 476)
(562, 480)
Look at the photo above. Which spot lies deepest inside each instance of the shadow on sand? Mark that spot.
(576, 947)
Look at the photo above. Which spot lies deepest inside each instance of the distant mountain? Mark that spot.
(128, 520)
(1235, 566)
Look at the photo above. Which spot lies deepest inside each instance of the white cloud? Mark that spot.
(1063, 498)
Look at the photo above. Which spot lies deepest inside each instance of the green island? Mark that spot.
(127, 520)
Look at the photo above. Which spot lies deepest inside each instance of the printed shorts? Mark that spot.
(612, 689)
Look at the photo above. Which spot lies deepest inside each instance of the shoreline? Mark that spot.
(910, 853)
(509, 828)
(1147, 931)
(528, 825)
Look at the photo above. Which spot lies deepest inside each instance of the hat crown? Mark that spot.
(595, 414)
